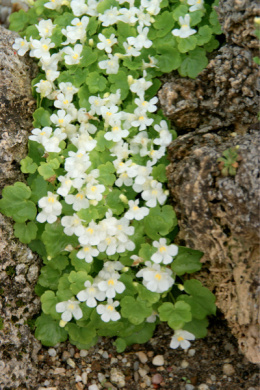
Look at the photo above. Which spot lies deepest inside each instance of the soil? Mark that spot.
(212, 363)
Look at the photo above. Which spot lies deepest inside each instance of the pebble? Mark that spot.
(189, 387)
(184, 364)
(83, 353)
(142, 372)
(136, 376)
(142, 357)
(136, 365)
(157, 379)
(117, 377)
(105, 355)
(113, 360)
(191, 352)
(93, 387)
(59, 371)
(101, 377)
(52, 352)
(203, 386)
(213, 378)
(65, 355)
(71, 363)
(78, 378)
(158, 360)
(84, 377)
(228, 369)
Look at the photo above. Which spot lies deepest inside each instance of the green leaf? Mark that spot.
(201, 300)
(64, 20)
(119, 81)
(49, 277)
(106, 175)
(147, 295)
(77, 280)
(88, 57)
(146, 251)
(159, 173)
(164, 22)
(197, 327)
(187, 261)
(204, 35)
(48, 331)
(120, 345)
(15, 203)
(18, 20)
(41, 118)
(96, 82)
(181, 10)
(102, 143)
(135, 310)
(49, 301)
(125, 30)
(187, 44)
(169, 58)
(159, 222)
(79, 264)
(55, 240)
(89, 214)
(114, 203)
(176, 315)
(84, 95)
(140, 334)
(25, 232)
(40, 188)
(194, 63)
(59, 262)
(57, 37)
(27, 165)
(47, 169)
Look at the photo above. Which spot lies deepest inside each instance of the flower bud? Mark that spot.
(123, 198)
(181, 287)
(62, 323)
(90, 42)
(130, 79)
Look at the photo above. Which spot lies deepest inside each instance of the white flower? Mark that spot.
(141, 40)
(130, 50)
(181, 338)
(185, 31)
(61, 119)
(136, 212)
(79, 7)
(45, 28)
(116, 134)
(112, 286)
(68, 90)
(106, 43)
(52, 144)
(128, 15)
(108, 312)
(152, 6)
(78, 201)
(66, 184)
(154, 194)
(109, 269)
(77, 163)
(196, 5)
(140, 86)
(68, 309)
(54, 4)
(77, 31)
(149, 106)
(51, 208)
(142, 121)
(62, 101)
(94, 191)
(155, 278)
(72, 56)
(87, 253)
(164, 134)
(111, 66)
(92, 235)
(109, 17)
(40, 49)
(164, 252)
(41, 135)
(91, 294)
(72, 225)
(21, 45)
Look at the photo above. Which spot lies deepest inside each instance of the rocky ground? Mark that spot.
(213, 363)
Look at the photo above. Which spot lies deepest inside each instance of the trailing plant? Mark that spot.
(95, 204)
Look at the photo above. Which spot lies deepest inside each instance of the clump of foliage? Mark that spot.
(95, 204)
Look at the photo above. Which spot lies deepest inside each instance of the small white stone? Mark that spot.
(191, 352)
(52, 352)
(83, 353)
(101, 377)
(105, 355)
(113, 360)
(142, 372)
(78, 378)
(228, 369)
(142, 357)
(93, 387)
(71, 363)
(158, 360)
(203, 386)
(184, 364)
(84, 377)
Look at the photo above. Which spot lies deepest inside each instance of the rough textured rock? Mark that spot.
(16, 107)
(19, 267)
(237, 21)
(220, 216)
(223, 94)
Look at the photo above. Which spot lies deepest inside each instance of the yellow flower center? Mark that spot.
(154, 192)
(158, 276)
(22, 43)
(109, 41)
(86, 249)
(79, 196)
(90, 230)
(61, 121)
(51, 199)
(71, 306)
(109, 113)
(79, 24)
(75, 57)
(93, 188)
(110, 282)
(144, 103)
(45, 47)
(180, 338)
(135, 208)
(43, 133)
(162, 249)
(119, 227)
(65, 101)
(110, 307)
(141, 118)
(80, 155)
(116, 128)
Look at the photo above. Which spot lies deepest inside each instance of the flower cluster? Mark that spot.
(101, 155)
